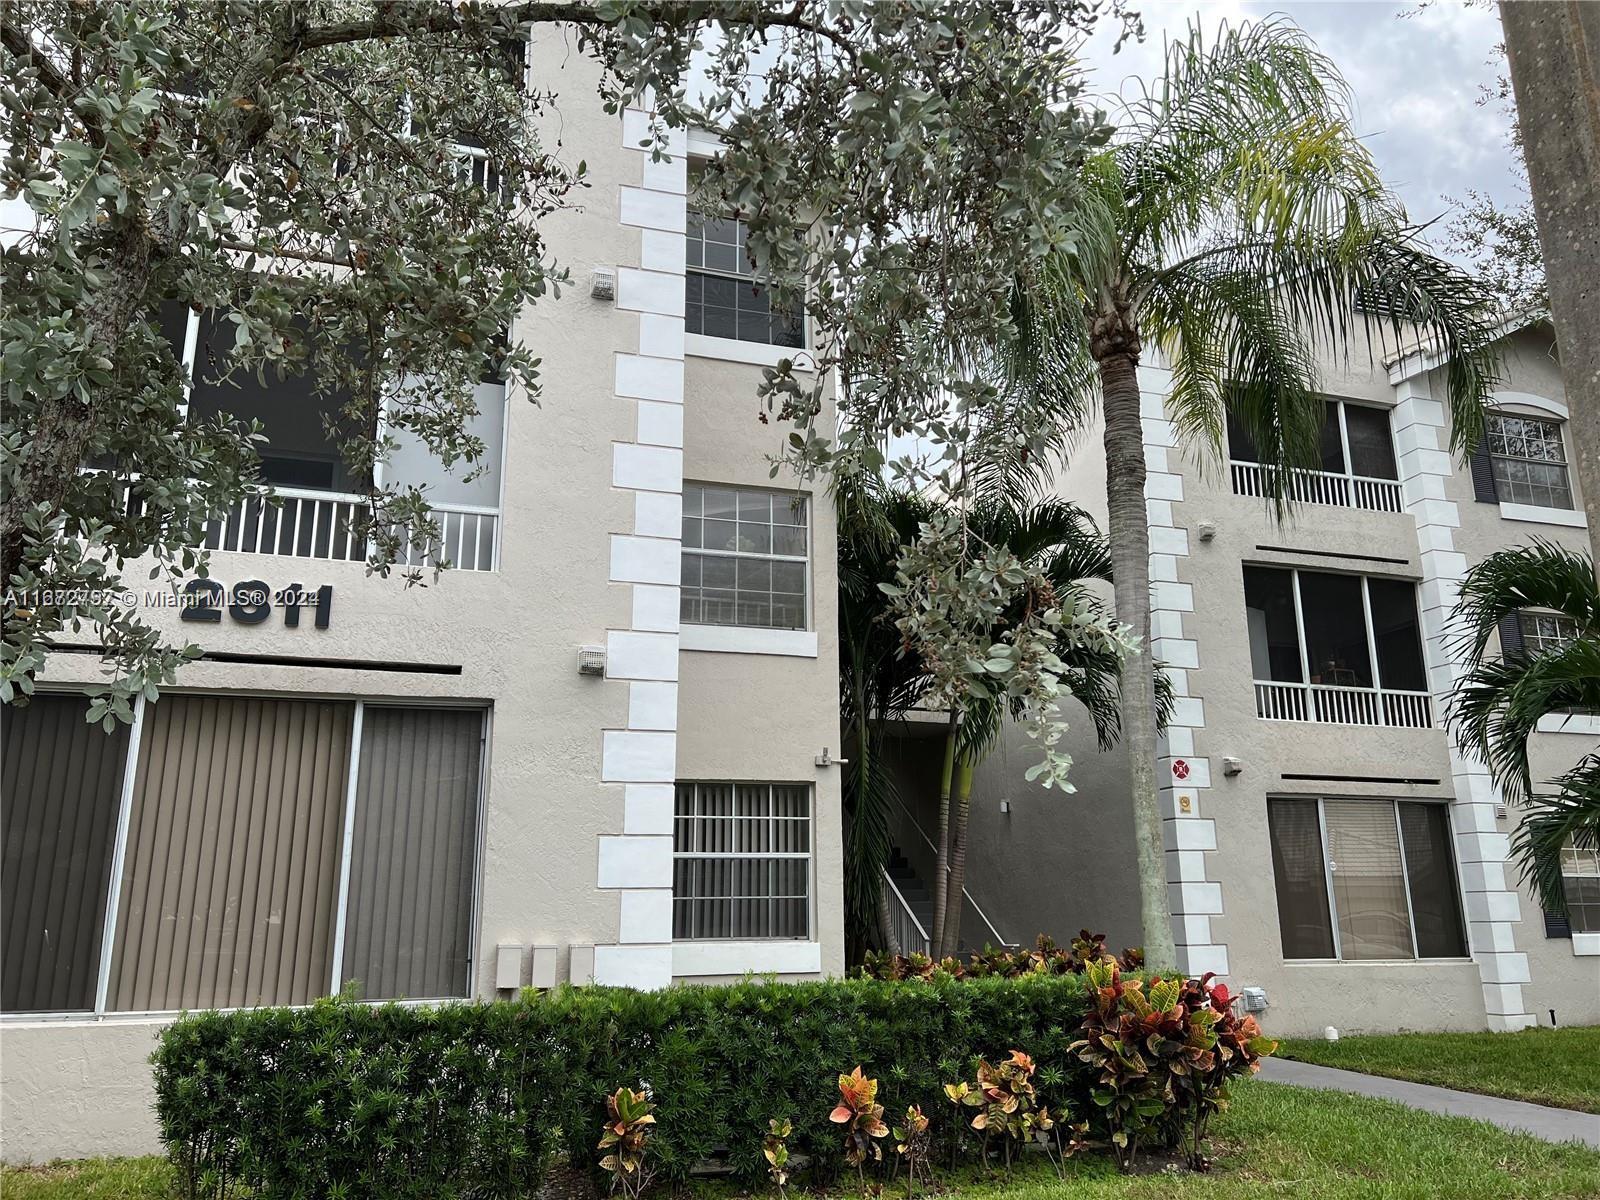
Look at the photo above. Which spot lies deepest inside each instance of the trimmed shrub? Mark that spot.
(408, 1101)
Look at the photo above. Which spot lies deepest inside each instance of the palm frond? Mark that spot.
(1497, 704)
(1570, 817)
(1539, 575)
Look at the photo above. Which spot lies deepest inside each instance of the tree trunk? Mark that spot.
(1554, 53)
(959, 812)
(1130, 563)
(941, 870)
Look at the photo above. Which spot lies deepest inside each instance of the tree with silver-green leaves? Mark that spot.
(1237, 226)
(296, 167)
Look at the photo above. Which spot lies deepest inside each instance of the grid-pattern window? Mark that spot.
(1365, 879)
(744, 557)
(1580, 881)
(742, 861)
(1545, 631)
(722, 298)
(1529, 461)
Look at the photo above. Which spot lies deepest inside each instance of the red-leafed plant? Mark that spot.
(1219, 1046)
(1046, 958)
(862, 1117)
(629, 1120)
(1163, 1052)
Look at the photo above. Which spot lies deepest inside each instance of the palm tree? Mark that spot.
(881, 679)
(1234, 223)
(1062, 541)
(1499, 700)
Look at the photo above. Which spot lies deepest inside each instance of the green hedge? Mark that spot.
(344, 1099)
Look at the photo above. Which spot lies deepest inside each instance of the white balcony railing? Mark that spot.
(322, 525)
(1328, 704)
(1320, 487)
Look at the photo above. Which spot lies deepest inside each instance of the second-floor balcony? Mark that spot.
(305, 523)
(1358, 463)
(1333, 649)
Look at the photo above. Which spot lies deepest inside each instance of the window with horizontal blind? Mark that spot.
(741, 861)
(230, 817)
(1365, 879)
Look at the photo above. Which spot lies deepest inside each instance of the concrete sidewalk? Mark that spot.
(1551, 1124)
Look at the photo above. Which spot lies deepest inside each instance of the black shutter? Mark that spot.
(1511, 647)
(1556, 925)
(1483, 474)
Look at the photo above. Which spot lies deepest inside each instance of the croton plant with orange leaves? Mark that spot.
(861, 1115)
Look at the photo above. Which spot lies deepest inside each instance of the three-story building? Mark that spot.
(594, 749)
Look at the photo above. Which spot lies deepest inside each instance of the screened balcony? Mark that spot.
(314, 503)
(1358, 463)
(1336, 649)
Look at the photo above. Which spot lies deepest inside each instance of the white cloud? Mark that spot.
(1415, 80)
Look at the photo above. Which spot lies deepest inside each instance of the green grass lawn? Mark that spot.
(1545, 1066)
(1276, 1142)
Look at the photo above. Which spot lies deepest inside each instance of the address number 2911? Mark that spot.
(252, 602)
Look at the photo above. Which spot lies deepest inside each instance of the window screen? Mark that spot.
(1336, 629)
(1431, 873)
(742, 861)
(408, 923)
(1298, 869)
(1371, 447)
(60, 792)
(1580, 881)
(1274, 632)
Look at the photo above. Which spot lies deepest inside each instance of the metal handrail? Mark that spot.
(976, 907)
(906, 913)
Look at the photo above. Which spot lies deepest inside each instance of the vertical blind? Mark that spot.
(60, 791)
(408, 923)
(232, 864)
(742, 861)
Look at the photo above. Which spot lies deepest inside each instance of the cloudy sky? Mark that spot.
(1416, 82)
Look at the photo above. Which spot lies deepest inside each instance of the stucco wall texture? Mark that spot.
(1055, 863)
(76, 1087)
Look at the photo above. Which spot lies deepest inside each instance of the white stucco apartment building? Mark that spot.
(1326, 840)
(589, 751)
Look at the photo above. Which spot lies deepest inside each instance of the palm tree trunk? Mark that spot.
(941, 870)
(1130, 557)
(959, 812)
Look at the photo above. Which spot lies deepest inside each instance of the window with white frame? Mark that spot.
(1545, 631)
(1365, 879)
(741, 861)
(197, 861)
(1529, 461)
(1580, 882)
(745, 557)
(721, 297)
